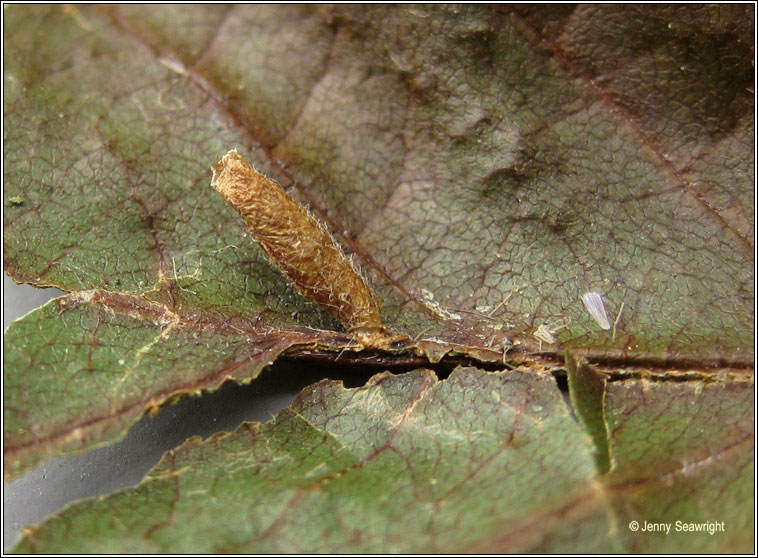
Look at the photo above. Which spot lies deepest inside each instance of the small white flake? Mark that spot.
(174, 65)
(435, 307)
(543, 333)
(594, 304)
(546, 332)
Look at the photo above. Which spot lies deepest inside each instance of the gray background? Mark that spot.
(27, 500)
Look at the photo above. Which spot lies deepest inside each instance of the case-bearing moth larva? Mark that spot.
(299, 245)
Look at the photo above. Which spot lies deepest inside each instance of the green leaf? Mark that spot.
(403, 464)
(480, 462)
(587, 391)
(89, 388)
(683, 452)
(485, 166)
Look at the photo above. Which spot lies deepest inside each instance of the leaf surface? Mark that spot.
(480, 462)
(485, 167)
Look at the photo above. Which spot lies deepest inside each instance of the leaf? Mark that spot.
(479, 462)
(587, 391)
(108, 379)
(485, 166)
(681, 457)
(402, 464)
(684, 452)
